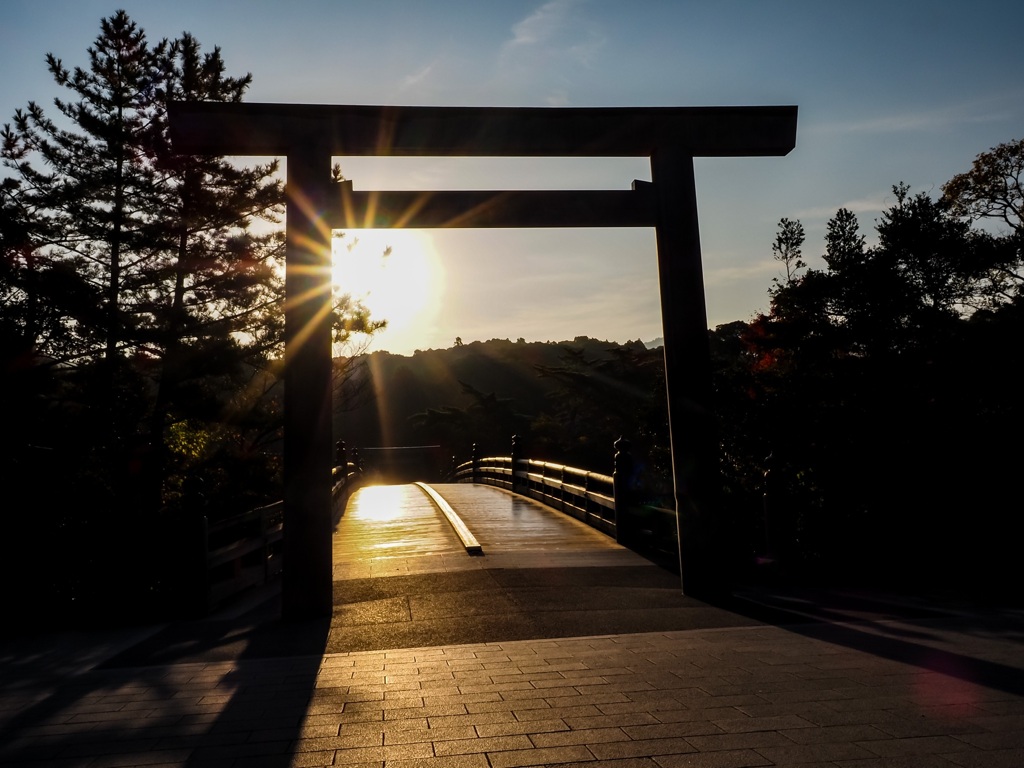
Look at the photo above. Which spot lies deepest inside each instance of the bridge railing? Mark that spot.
(609, 503)
(245, 550)
(241, 551)
(587, 496)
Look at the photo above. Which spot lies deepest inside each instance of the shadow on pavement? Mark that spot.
(900, 629)
(164, 697)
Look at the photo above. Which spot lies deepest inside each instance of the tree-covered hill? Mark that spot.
(482, 393)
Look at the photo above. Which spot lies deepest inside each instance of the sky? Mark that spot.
(890, 91)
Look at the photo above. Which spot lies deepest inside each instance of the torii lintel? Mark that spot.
(278, 129)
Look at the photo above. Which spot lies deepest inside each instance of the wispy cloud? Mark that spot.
(926, 120)
(541, 25)
(735, 273)
(858, 206)
(555, 32)
(548, 50)
(987, 109)
(558, 98)
(416, 78)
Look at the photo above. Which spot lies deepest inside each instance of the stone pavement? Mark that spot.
(843, 680)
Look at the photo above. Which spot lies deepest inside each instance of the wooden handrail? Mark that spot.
(587, 496)
(245, 550)
(605, 502)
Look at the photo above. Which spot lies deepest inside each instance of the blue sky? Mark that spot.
(888, 91)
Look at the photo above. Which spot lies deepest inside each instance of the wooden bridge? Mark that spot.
(492, 509)
(419, 564)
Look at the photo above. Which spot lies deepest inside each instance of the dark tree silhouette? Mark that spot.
(137, 281)
(90, 179)
(859, 387)
(787, 249)
(994, 190)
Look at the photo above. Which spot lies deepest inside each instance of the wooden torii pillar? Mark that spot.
(309, 136)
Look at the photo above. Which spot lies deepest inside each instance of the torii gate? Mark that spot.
(310, 135)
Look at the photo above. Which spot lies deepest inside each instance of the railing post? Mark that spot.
(561, 486)
(474, 457)
(620, 487)
(768, 499)
(515, 460)
(341, 455)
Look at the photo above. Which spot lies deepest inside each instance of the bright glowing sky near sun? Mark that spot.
(888, 91)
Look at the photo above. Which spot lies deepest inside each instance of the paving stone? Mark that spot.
(481, 745)
(521, 727)
(642, 748)
(569, 738)
(671, 730)
(741, 758)
(548, 756)
(448, 761)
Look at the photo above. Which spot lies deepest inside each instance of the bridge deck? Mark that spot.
(390, 530)
(403, 578)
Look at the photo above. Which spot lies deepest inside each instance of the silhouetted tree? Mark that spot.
(857, 379)
(89, 186)
(994, 189)
(136, 277)
(212, 310)
(787, 249)
(88, 175)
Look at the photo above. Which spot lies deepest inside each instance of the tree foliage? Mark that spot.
(787, 249)
(142, 292)
(863, 382)
(85, 172)
(993, 188)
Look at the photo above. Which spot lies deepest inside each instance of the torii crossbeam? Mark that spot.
(309, 136)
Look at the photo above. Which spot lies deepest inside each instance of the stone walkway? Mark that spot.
(851, 681)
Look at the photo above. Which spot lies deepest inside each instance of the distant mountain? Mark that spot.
(655, 343)
(394, 388)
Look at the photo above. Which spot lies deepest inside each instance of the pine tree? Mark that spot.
(163, 289)
(787, 249)
(85, 185)
(96, 179)
(144, 290)
(176, 300)
(215, 292)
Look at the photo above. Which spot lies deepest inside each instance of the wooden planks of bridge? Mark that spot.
(403, 578)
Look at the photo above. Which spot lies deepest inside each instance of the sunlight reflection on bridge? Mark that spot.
(391, 530)
(386, 529)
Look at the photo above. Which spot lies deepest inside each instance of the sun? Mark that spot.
(397, 275)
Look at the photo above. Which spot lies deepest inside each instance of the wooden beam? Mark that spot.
(535, 208)
(307, 590)
(694, 444)
(274, 129)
